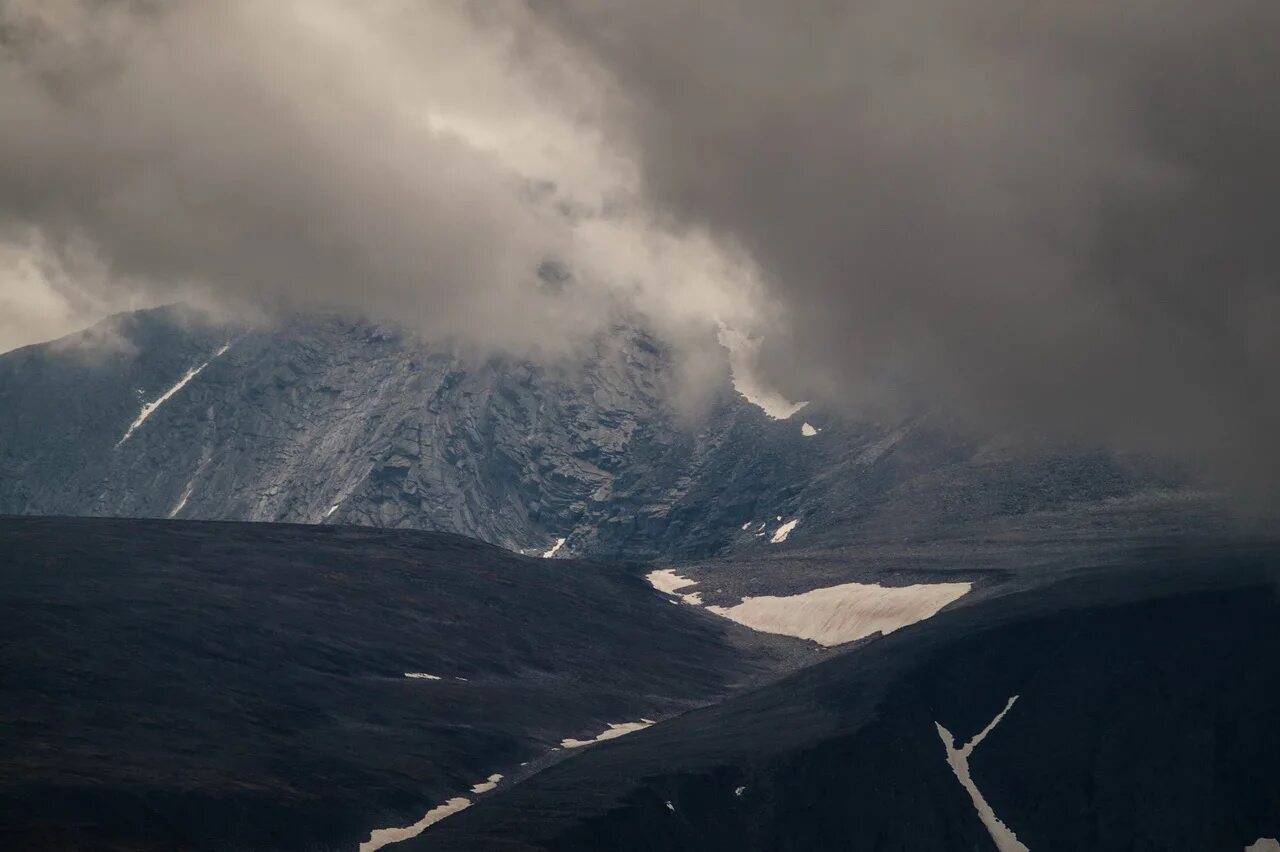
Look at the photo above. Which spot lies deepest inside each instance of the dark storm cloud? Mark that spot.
(277, 154)
(417, 162)
(1053, 217)
(1057, 216)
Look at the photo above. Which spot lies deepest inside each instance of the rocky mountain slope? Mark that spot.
(323, 420)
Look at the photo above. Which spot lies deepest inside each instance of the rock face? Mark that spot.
(326, 421)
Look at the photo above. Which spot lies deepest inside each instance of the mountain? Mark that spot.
(329, 421)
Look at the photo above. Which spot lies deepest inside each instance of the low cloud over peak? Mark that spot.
(1051, 218)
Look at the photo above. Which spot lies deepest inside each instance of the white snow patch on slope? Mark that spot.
(422, 676)
(1263, 844)
(783, 531)
(742, 354)
(150, 408)
(332, 509)
(667, 580)
(612, 732)
(1005, 839)
(182, 501)
(838, 614)
(829, 616)
(555, 549)
(486, 786)
(808, 431)
(380, 837)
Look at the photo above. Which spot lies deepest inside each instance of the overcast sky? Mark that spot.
(1054, 217)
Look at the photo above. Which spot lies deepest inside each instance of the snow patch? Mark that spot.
(808, 431)
(838, 614)
(829, 616)
(332, 509)
(783, 531)
(746, 526)
(422, 676)
(150, 408)
(182, 501)
(1005, 839)
(667, 580)
(742, 355)
(738, 791)
(380, 837)
(1263, 844)
(612, 732)
(555, 549)
(487, 785)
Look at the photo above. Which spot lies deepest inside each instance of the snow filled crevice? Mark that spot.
(614, 731)
(182, 501)
(488, 784)
(1001, 834)
(380, 837)
(829, 616)
(555, 548)
(151, 407)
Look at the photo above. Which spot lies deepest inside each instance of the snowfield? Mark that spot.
(829, 616)
(844, 613)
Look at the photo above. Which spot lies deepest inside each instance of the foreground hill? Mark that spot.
(1119, 707)
(228, 686)
(187, 685)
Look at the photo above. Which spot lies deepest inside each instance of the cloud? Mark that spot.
(45, 294)
(1053, 218)
(417, 162)
(1056, 218)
